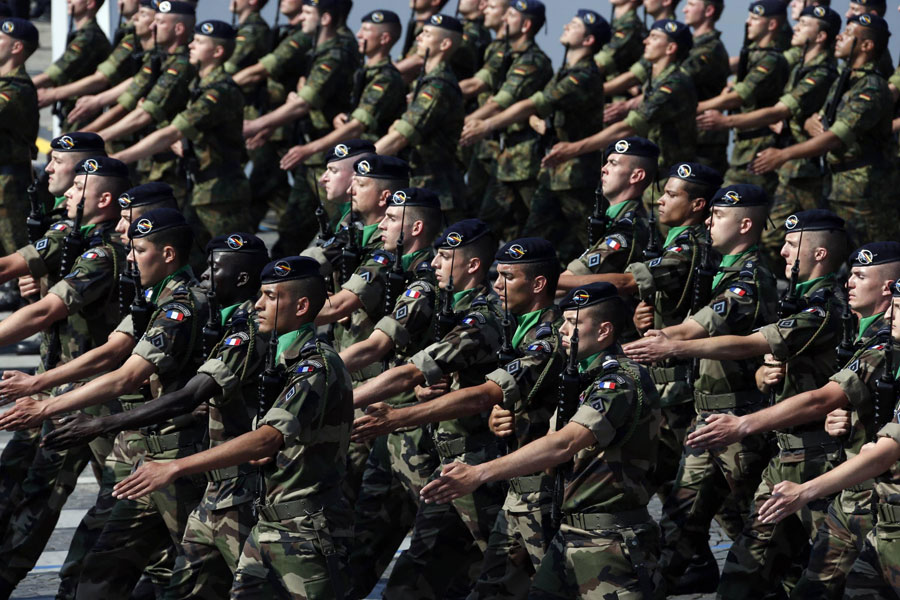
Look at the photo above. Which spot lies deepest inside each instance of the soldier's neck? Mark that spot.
(245, 14)
(813, 51)
(520, 42)
(379, 56)
(83, 20)
(434, 62)
(577, 54)
(205, 70)
(703, 28)
(860, 61)
(9, 66)
(662, 64)
(623, 9)
(631, 193)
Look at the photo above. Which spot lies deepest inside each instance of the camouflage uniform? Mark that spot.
(381, 100)
(86, 47)
(137, 528)
(19, 128)
(861, 182)
(626, 46)
(506, 206)
(212, 127)
(253, 41)
(301, 542)
(743, 298)
(468, 353)
(523, 529)
(607, 544)
(217, 528)
(124, 60)
(432, 124)
(622, 244)
(466, 60)
(767, 74)
(806, 341)
(569, 103)
(800, 180)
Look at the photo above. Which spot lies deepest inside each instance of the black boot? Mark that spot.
(701, 576)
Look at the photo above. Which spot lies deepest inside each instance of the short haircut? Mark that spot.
(758, 214)
(719, 6)
(252, 262)
(390, 185)
(549, 269)
(836, 242)
(483, 248)
(180, 238)
(228, 45)
(312, 288)
(698, 190)
(393, 29)
(647, 163)
(430, 217)
(613, 310)
(114, 185)
(878, 37)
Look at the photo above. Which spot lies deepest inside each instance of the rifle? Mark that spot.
(744, 57)
(234, 14)
(351, 253)
(789, 303)
(839, 89)
(598, 222)
(37, 221)
(653, 246)
(446, 318)
(410, 38)
(396, 276)
(271, 382)
(212, 331)
(886, 386)
(420, 80)
(505, 355)
(549, 137)
(847, 347)
(569, 390)
(703, 278)
(359, 79)
(302, 126)
(58, 109)
(117, 35)
(73, 244)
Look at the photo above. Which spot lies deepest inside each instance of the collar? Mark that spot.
(674, 232)
(615, 210)
(368, 232)
(805, 288)
(866, 322)
(526, 322)
(156, 289)
(226, 313)
(407, 260)
(729, 260)
(294, 339)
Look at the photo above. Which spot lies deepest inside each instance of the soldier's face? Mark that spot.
(149, 259)
(674, 206)
(652, 6)
(164, 24)
(76, 7)
(390, 227)
(573, 33)
(289, 8)
(844, 42)
(655, 45)
(309, 19)
(866, 289)
(724, 227)
(442, 263)
(805, 30)
(368, 37)
(61, 170)
(615, 174)
(226, 269)
(468, 6)
(791, 249)
(73, 196)
(493, 14)
(276, 304)
(515, 290)
(855, 9)
(129, 7)
(757, 26)
(143, 19)
(336, 180)
(693, 12)
(202, 50)
(587, 329)
(428, 40)
(895, 321)
(364, 194)
(514, 20)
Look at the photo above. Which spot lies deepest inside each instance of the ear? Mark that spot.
(418, 228)
(302, 307)
(446, 44)
(219, 51)
(106, 199)
(671, 49)
(385, 197)
(772, 25)
(821, 37)
(746, 225)
(169, 255)
(637, 175)
(179, 28)
(539, 284)
(243, 278)
(588, 41)
(698, 205)
(604, 331)
(473, 265)
(709, 10)
(820, 254)
(325, 19)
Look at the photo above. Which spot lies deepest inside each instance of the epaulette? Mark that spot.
(748, 270)
(383, 257)
(480, 301)
(627, 218)
(609, 363)
(544, 330)
(424, 268)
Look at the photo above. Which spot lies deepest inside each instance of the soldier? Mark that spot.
(660, 9)
(840, 537)
(802, 343)
(507, 203)
(799, 181)
(607, 541)
(253, 40)
(299, 546)
(567, 110)
(664, 115)
(431, 125)
(853, 132)
(379, 93)
(410, 62)
(209, 132)
(625, 46)
(630, 168)
(18, 109)
(741, 299)
(885, 65)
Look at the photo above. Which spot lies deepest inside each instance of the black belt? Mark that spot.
(157, 444)
(593, 521)
(216, 171)
(284, 511)
(232, 472)
(518, 137)
(855, 164)
(752, 134)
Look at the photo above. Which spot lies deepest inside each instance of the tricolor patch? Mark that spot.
(5, 96)
(325, 67)
(306, 369)
(146, 69)
(607, 385)
(294, 43)
(665, 89)
(212, 98)
(427, 96)
(519, 71)
(89, 255)
(619, 34)
(59, 227)
(573, 79)
(737, 290)
(412, 294)
(613, 243)
(810, 81)
(128, 46)
(171, 71)
(865, 96)
(240, 38)
(233, 341)
(378, 87)
(762, 68)
(381, 259)
(175, 315)
(76, 47)
(469, 321)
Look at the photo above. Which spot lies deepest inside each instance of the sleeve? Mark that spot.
(126, 326)
(368, 282)
(113, 65)
(734, 310)
(659, 105)
(474, 341)
(854, 378)
(666, 273)
(200, 114)
(248, 43)
(788, 336)
(324, 78)
(522, 80)
(559, 94)
(169, 93)
(9, 98)
(132, 94)
(288, 52)
(894, 79)
(610, 255)
(412, 314)
(423, 114)
(808, 95)
(621, 38)
(89, 280)
(891, 430)
(490, 73)
(606, 407)
(757, 75)
(858, 111)
(519, 377)
(45, 255)
(229, 360)
(300, 401)
(641, 69)
(167, 342)
(74, 52)
(375, 99)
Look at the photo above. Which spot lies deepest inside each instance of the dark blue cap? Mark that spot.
(634, 146)
(878, 3)
(871, 22)
(693, 172)
(290, 268)
(595, 25)
(526, 250)
(534, 8)
(445, 22)
(102, 166)
(677, 31)
(78, 141)
(146, 194)
(875, 253)
(5, 10)
(327, 5)
(176, 7)
(216, 29)
(589, 295)
(349, 149)
(462, 233)
(245, 243)
(416, 197)
(381, 16)
(156, 220)
(769, 8)
(740, 195)
(382, 167)
(20, 29)
(817, 219)
(830, 18)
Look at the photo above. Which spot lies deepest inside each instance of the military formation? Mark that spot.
(506, 306)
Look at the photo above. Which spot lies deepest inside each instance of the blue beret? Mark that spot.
(381, 16)
(740, 195)
(290, 268)
(696, 173)
(589, 295)
(156, 220)
(534, 8)
(176, 7)
(677, 31)
(216, 29)
(102, 166)
(895, 289)
(870, 22)
(382, 167)
(526, 250)
(349, 149)
(595, 25)
(245, 243)
(817, 219)
(20, 29)
(445, 22)
(768, 8)
(5, 10)
(462, 233)
(875, 253)
(634, 146)
(327, 5)
(78, 141)
(831, 19)
(869, 3)
(416, 197)
(146, 194)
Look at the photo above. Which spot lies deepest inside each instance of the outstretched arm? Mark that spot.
(156, 142)
(624, 282)
(31, 319)
(338, 306)
(365, 352)
(387, 384)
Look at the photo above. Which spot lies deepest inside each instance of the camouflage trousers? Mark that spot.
(506, 206)
(764, 555)
(707, 482)
(269, 186)
(17, 456)
(560, 216)
(791, 196)
(864, 199)
(601, 564)
(223, 205)
(836, 547)
(740, 174)
(297, 225)
(14, 207)
(290, 559)
(676, 420)
(876, 572)
(712, 154)
(210, 550)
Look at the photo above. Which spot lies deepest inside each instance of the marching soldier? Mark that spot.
(626, 43)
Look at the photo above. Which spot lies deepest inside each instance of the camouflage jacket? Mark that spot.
(466, 60)
(767, 74)
(887, 486)
(621, 408)
(381, 99)
(18, 119)
(253, 41)
(172, 90)
(125, 59)
(625, 47)
(570, 103)
(314, 414)
(86, 47)
(623, 243)
(284, 66)
(497, 58)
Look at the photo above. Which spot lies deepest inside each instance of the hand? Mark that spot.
(501, 422)
(85, 107)
(720, 430)
(46, 96)
(72, 431)
(814, 126)
(294, 156)
(786, 499)
(560, 153)
(767, 160)
(777, 127)
(643, 316)
(538, 124)
(456, 479)
(338, 121)
(711, 120)
(28, 286)
(773, 370)
(654, 346)
(837, 422)
(259, 140)
(473, 131)
(26, 414)
(424, 394)
(149, 478)
(15, 385)
(377, 421)
(259, 462)
(177, 148)
(615, 111)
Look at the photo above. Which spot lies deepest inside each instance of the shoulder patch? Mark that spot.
(308, 366)
(610, 364)
(237, 339)
(542, 347)
(291, 392)
(719, 307)
(815, 310)
(41, 244)
(473, 319)
(594, 260)
(158, 340)
(480, 301)
(655, 262)
(741, 289)
(748, 270)
(401, 312)
(616, 242)
(787, 323)
(59, 227)
(382, 258)
(92, 254)
(513, 367)
(424, 268)
(366, 276)
(854, 366)
(176, 311)
(543, 330)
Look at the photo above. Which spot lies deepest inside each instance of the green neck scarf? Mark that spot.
(584, 363)
(345, 210)
(285, 341)
(804, 287)
(526, 322)
(674, 233)
(729, 260)
(159, 286)
(613, 211)
(226, 313)
(86, 229)
(407, 259)
(458, 296)
(58, 201)
(368, 231)
(865, 323)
